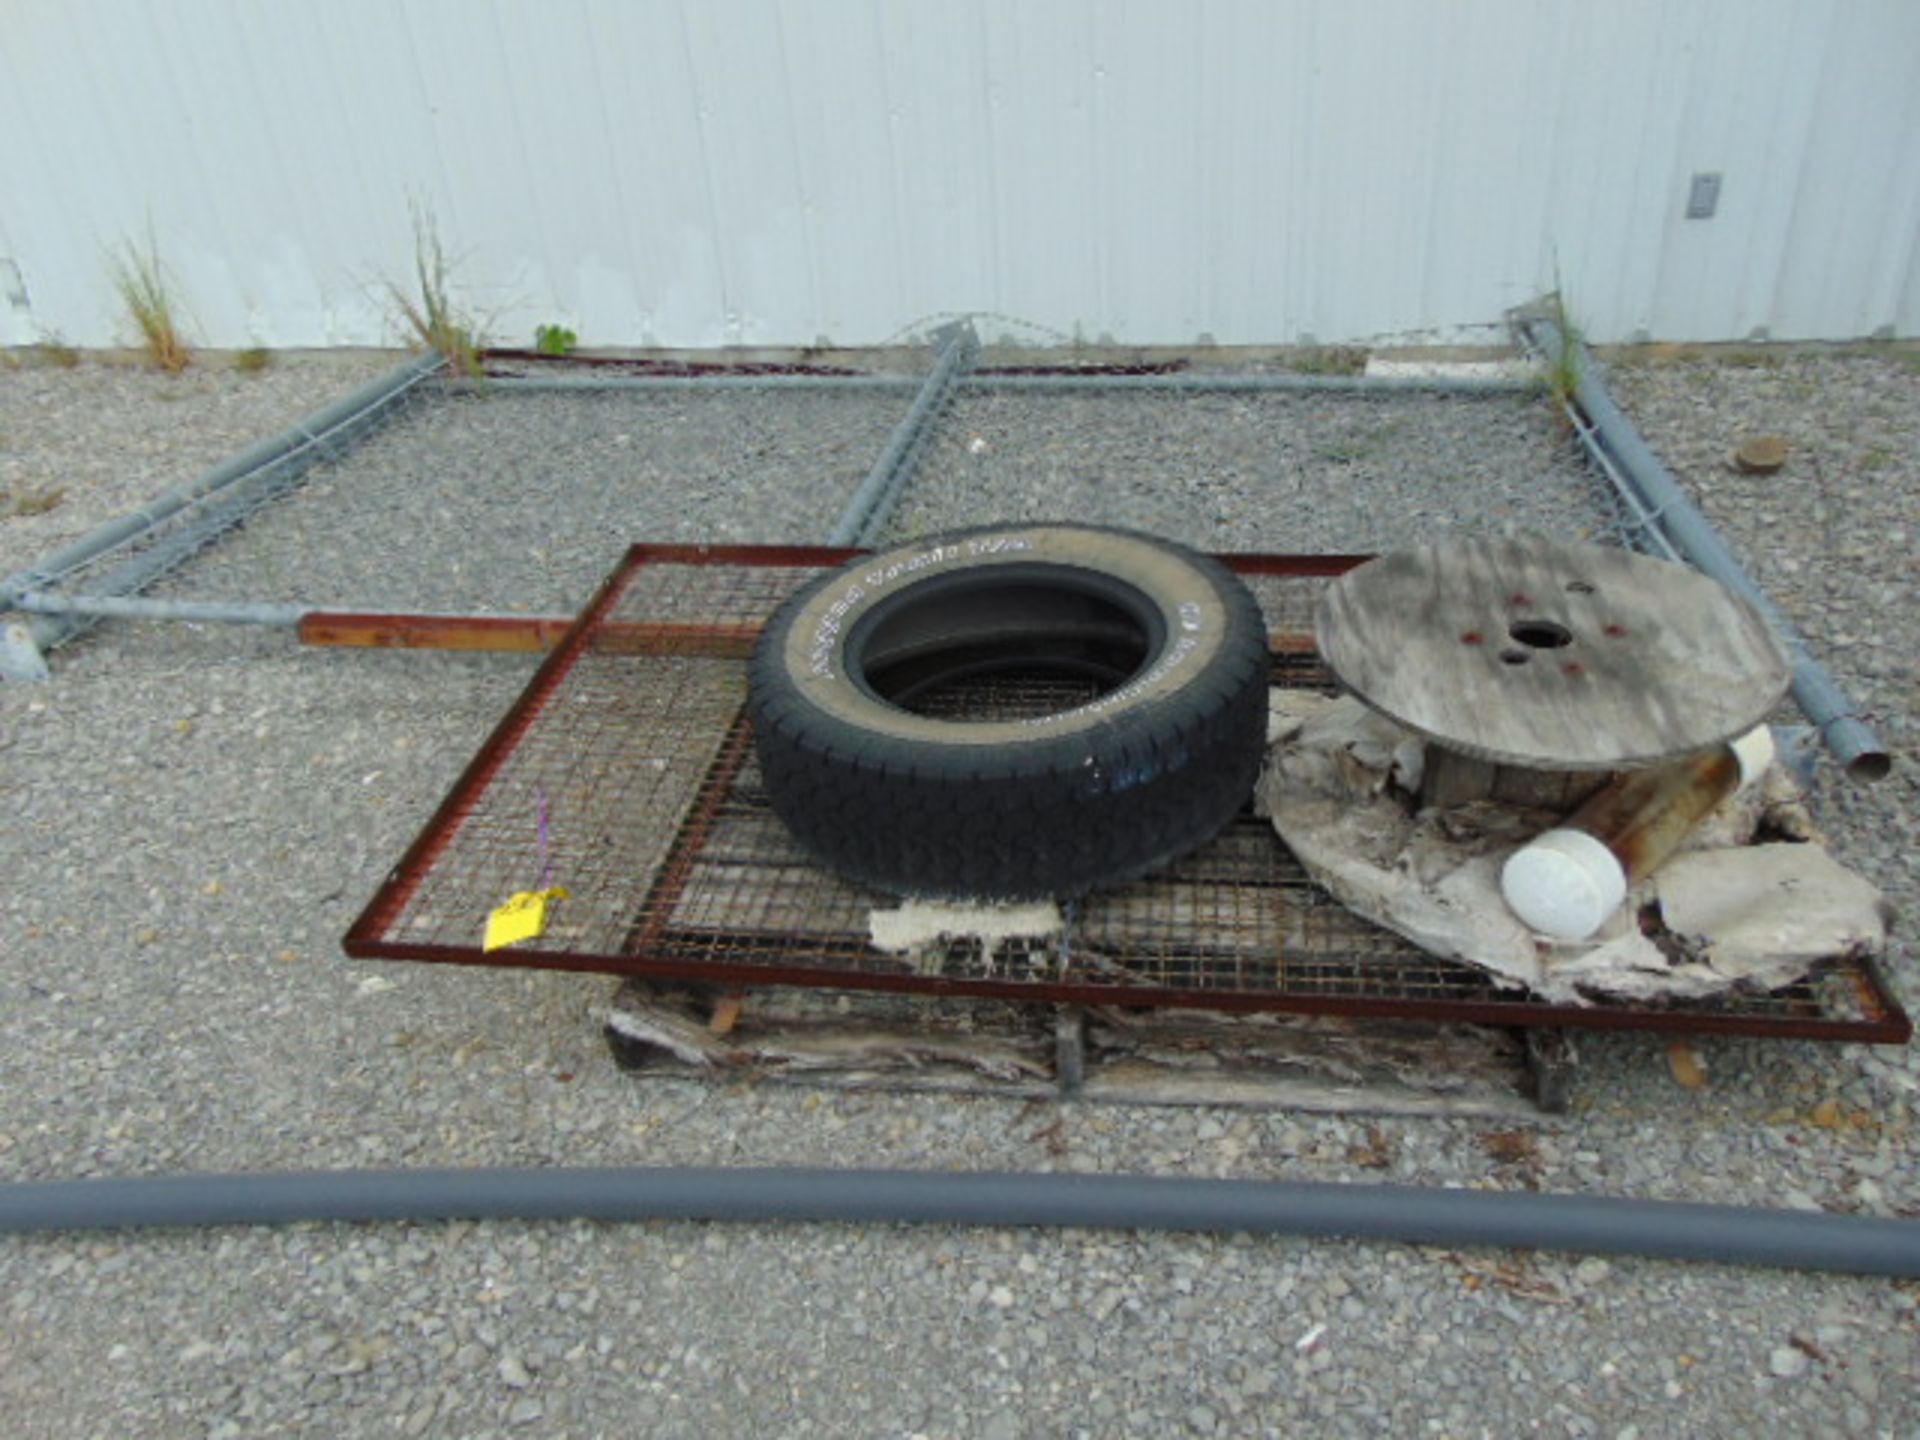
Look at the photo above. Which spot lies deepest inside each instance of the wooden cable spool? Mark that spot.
(1538, 669)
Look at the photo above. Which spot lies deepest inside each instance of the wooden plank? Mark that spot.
(385, 631)
(726, 1014)
(994, 1048)
(1552, 657)
(1451, 778)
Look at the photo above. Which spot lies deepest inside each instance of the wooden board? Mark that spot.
(1549, 656)
(1041, 1052)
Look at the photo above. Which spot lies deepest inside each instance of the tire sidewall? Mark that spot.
(807, 642)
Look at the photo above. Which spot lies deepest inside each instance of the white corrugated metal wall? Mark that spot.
(702, 172)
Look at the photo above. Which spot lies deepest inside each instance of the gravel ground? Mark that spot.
(1309, 472)
(198, 814)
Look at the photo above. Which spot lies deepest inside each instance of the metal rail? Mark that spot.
(1282, 382)
(1178, 382)
(144, 607)
(866, 513)
(592, 384)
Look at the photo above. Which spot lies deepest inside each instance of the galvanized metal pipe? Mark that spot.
(143, 607)
(1833, 714)
(1286, 382)
(243, 612)
(589, 384)
(871, 504)
(1584, 1224)
(132, 575)
(1181, 381)
(312, 432)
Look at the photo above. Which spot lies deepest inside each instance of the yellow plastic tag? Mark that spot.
(522, 916)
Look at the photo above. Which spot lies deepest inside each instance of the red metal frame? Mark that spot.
(368, 938)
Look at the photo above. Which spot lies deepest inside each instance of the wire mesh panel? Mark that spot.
(625, 775)
(479, 501)
(173, 529)
(585, 801)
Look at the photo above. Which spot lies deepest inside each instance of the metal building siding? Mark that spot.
(698, 172)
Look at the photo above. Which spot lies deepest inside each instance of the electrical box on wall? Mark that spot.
(1703, 196)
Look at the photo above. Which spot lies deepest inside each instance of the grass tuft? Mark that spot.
(56, 352)
(1330, 360)
(148, 297)
(1563, 377)
(428, 312)
(252, 362)
(38, 503)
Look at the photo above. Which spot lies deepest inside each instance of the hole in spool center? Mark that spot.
(1540, 634)
(1513, 656)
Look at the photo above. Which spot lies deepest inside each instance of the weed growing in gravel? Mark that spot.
(1330, 360)
(554, 340)
(1563, 375)
(252, 362)
(56, 352)
(431, 316)
(148, 297)
(38, 503)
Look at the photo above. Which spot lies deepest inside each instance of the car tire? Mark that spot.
(1156, 752)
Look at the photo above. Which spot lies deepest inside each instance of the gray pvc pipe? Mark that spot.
(118, 531)
(1586, 1224)
(1856, 747)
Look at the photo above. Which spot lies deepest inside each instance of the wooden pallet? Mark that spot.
(864, 1041)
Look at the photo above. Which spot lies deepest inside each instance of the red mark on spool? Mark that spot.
(1614, 629)
(1520, 601)
(1471, 637)
(1573, 667)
